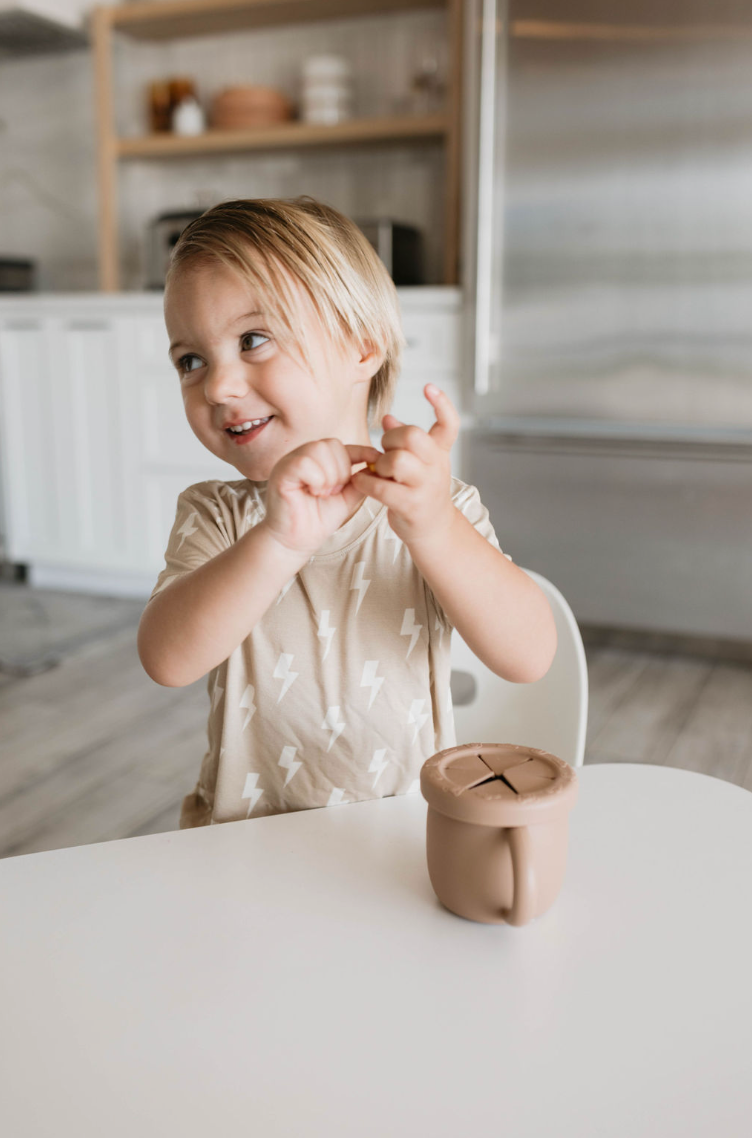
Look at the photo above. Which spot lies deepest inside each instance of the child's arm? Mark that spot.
(200, 619)
(496, 608)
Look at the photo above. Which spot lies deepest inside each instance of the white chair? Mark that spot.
(550, 714)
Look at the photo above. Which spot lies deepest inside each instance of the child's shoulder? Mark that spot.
(235, 505)
(214, 490)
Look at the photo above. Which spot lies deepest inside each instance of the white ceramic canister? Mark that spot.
(188, 117)
(326, 92)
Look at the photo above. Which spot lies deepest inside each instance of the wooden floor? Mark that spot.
(93, 750)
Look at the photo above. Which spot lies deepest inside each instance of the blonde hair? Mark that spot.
(345, 279)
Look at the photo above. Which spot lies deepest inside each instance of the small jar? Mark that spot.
(160, 106)
(188, 117)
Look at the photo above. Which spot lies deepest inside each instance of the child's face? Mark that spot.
(232, 370)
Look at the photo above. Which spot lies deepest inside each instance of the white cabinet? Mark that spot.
(94, 441)
(63, 441)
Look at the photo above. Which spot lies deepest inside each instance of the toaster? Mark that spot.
(163, 235)
(399, 246)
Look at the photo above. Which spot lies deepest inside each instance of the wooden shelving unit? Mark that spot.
(411, 128)
(174, 19)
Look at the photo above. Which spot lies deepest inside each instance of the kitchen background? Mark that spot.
(593, 328)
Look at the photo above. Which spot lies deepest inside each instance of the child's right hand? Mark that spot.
(309, 493)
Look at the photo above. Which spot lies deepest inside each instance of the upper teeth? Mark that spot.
(248, 424)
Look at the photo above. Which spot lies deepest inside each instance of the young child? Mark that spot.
(320, 589)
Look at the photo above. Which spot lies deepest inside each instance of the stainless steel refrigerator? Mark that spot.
(608, 227)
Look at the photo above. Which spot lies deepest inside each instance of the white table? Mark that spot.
(296, 976)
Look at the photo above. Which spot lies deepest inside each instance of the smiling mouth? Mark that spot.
(247, 430)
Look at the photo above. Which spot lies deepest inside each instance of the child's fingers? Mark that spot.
(400, 466)
(360, 453)
(447, 425)
(304, 473)
(408, 436)
(392, 494)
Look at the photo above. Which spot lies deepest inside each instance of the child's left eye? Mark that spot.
(184, 363)
(250, 336)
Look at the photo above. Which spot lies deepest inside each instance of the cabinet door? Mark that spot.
(63, 479)
(64, 487)
(30, 486)
(89, 451)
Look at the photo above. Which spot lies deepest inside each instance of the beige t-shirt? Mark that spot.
(341, 691)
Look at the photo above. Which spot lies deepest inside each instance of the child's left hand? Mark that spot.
(413, 475)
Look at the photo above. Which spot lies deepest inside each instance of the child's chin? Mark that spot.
(253, 471)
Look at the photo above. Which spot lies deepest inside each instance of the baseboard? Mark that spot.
(667, 643)
(102, 583)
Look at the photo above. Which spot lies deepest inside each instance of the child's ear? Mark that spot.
(371, 359)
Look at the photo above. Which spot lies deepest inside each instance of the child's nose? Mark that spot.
(225, 381)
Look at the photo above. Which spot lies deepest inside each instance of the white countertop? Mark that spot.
(295, 975)
(414, 296)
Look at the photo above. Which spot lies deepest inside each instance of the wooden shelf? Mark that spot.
(287, 135)
(172, 19)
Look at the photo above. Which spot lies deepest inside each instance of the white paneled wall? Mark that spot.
(47, 147)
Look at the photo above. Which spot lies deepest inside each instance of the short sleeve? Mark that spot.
(202, 529)
(467, 500)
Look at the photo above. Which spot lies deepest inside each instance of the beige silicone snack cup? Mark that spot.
(497, 828)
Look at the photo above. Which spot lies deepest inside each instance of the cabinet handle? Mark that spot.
(22, 325)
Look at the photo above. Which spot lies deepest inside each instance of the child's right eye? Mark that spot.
(184, 364)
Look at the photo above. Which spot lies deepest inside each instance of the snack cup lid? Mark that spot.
(498, 784)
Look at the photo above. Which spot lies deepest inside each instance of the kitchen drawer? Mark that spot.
(640, 534)
(433, 343)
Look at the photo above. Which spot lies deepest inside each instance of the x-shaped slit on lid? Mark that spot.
(498, 775)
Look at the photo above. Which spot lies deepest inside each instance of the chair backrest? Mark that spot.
(550, 714)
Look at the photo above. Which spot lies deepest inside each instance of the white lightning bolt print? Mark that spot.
(358, 582)
(325, 630)
(417, 716)
(188, 527)
(439, 627)
(336, 797)
(370, 679)
(286, 762)
(250, 791)
(246, 700)
(410, 628)
(282, 672)
(392, 536)
(285, 589)
(378, 763)
(331, 722)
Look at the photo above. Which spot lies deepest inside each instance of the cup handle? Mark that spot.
(523, 900)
